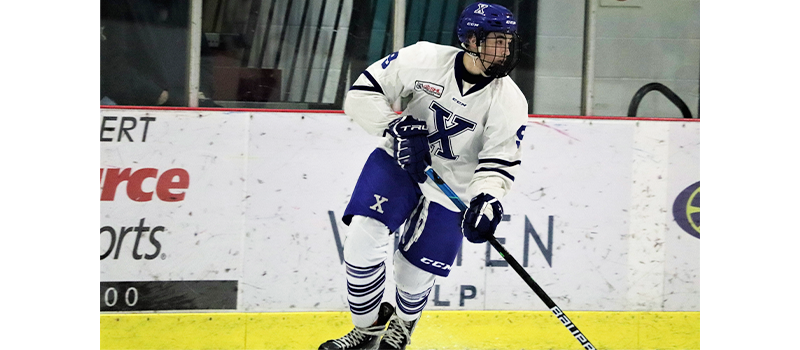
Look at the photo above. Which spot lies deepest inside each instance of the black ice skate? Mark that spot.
(362, 338)
(398, 335)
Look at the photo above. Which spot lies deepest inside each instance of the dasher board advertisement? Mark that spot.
(171, 209)
(604, 215)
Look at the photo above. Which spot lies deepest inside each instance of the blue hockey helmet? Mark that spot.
(480, 19)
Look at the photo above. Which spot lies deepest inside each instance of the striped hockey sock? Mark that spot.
(409, 306)
(365, 292)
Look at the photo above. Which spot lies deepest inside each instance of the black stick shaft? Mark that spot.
(571, 327)
(522, 273)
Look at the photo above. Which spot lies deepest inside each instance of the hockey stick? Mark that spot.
(571, 327)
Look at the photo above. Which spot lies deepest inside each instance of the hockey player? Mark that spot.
(465, 117)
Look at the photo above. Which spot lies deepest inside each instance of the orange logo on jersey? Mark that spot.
(429, 88)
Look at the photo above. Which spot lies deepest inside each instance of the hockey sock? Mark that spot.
(365, 249)
(409, 306)
(365, 292)
(413, 286)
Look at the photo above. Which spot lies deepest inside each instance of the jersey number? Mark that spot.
(520, 134)
(389, 59)
(447, 126)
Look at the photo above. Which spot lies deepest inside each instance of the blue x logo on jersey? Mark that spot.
(447, 126)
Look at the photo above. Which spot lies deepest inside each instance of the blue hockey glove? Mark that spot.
(482, 218)
(411, 148)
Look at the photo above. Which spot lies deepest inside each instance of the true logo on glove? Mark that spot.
(413, 127)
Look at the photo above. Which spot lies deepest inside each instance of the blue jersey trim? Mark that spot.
(375, 86)
(499, 171)
(499, 161)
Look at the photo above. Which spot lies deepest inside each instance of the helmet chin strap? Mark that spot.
(475, 57)
(483, 63)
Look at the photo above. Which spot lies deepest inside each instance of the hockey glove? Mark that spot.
(482, 218)
(411, 148)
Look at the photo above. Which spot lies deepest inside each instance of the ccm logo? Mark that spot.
(437, 264)
(167, 187)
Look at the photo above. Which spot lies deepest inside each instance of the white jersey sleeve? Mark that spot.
(500, 158)
(369, 100)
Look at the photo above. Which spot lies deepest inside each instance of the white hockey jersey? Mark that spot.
(474, 131)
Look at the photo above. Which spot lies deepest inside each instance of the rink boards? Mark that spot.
(238, 213)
